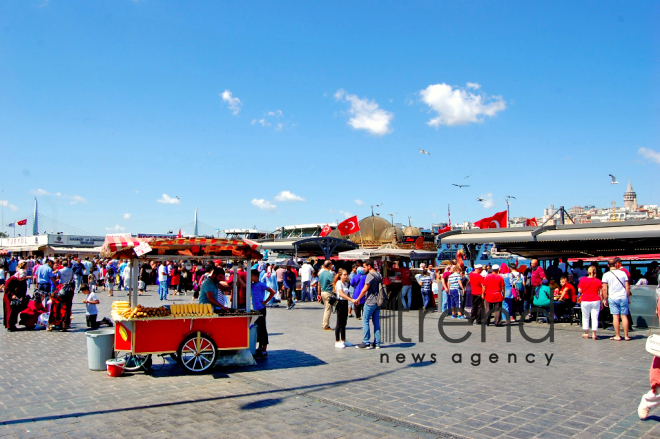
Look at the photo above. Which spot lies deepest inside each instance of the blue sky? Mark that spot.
(113, 104)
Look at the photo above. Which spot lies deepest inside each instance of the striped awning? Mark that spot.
(122, 246)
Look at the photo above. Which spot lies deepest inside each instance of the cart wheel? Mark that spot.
(137, 362)
(197, 353)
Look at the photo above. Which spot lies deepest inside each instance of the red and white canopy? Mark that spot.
(122, 246)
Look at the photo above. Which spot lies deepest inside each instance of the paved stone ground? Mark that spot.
(307, 388)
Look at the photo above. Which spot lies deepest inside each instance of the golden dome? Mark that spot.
(391, 234)
(335, 234)
(371, 227)
(411, 231)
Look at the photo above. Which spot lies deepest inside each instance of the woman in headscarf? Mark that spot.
(15, 299)
(30, 316)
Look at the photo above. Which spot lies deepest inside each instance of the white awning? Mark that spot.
(488, 236)
(358, 253)
(639, 231)
(76, 250)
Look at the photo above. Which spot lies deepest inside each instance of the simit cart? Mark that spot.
(192, 339)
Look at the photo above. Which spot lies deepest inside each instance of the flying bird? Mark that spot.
(480, 199)
(613, 179)
(177, 197)
(511, 196)
(467, 176)
(460, 185)
(422, 151)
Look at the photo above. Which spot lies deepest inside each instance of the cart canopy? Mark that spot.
(123, 247)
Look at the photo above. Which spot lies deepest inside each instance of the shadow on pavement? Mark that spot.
(299, 390)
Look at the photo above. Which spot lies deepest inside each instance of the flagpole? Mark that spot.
(3, 212)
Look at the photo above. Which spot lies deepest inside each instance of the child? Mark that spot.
(259, 302)
(91, 281)
(90, 302)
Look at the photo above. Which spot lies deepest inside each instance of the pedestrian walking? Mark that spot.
(341, 289)
(371, 308)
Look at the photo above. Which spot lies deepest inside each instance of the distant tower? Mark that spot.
(35, 223)
(630, 199)
(196, 232)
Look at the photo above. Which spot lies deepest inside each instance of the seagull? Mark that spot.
(421, 151)
(467, 176)
(480, 199)
(460, 185)
(613, 179)
(177, 197)
(511, 196)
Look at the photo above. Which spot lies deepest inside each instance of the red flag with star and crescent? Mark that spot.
(497, 221)
(349, 226)
(531, 222)
(22, 222)
(326, 230)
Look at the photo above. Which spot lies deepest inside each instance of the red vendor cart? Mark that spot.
(194, 340)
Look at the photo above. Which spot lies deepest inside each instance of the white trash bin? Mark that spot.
(100, 347)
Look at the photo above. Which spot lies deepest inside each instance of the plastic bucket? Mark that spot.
(115, 367)
(253, 338)
(100, 347)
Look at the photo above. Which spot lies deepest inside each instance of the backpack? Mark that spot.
(110, 271)
(382, 299)
(517, 287)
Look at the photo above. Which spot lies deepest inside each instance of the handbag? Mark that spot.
(653, 342)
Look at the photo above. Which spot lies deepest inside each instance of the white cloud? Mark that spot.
(166, 199)
(116, 228)
(263, 204)
(487, 201)
(127, 216)
(271, 119)
(473, 85)
(5, 203)
(233, 103)
(346, 214)
(75, 199)
(366, 115)
(650, 154)
(457, 106)
(40, 192)
(288, 196)
(359, 202)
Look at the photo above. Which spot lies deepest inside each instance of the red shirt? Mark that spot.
(494, 288)
(590, 287)
(627, 274)
(537, 276)
(570, 292)
(476, 281)
(405, 275)
(445, 276)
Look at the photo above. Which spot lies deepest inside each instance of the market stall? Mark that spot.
(384, 257)
(191, 333)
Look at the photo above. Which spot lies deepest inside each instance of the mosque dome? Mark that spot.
(372, 227)
(411, 231)
(391, 234)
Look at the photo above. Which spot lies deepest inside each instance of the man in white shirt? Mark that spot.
(306, 279)
(616, 290)
(162, 280)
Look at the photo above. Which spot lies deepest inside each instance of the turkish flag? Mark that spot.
(497, 221)
(349, 226)
(179, 234)
(325, 231)
(22, 222)
(446, 229)
(531, 222)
